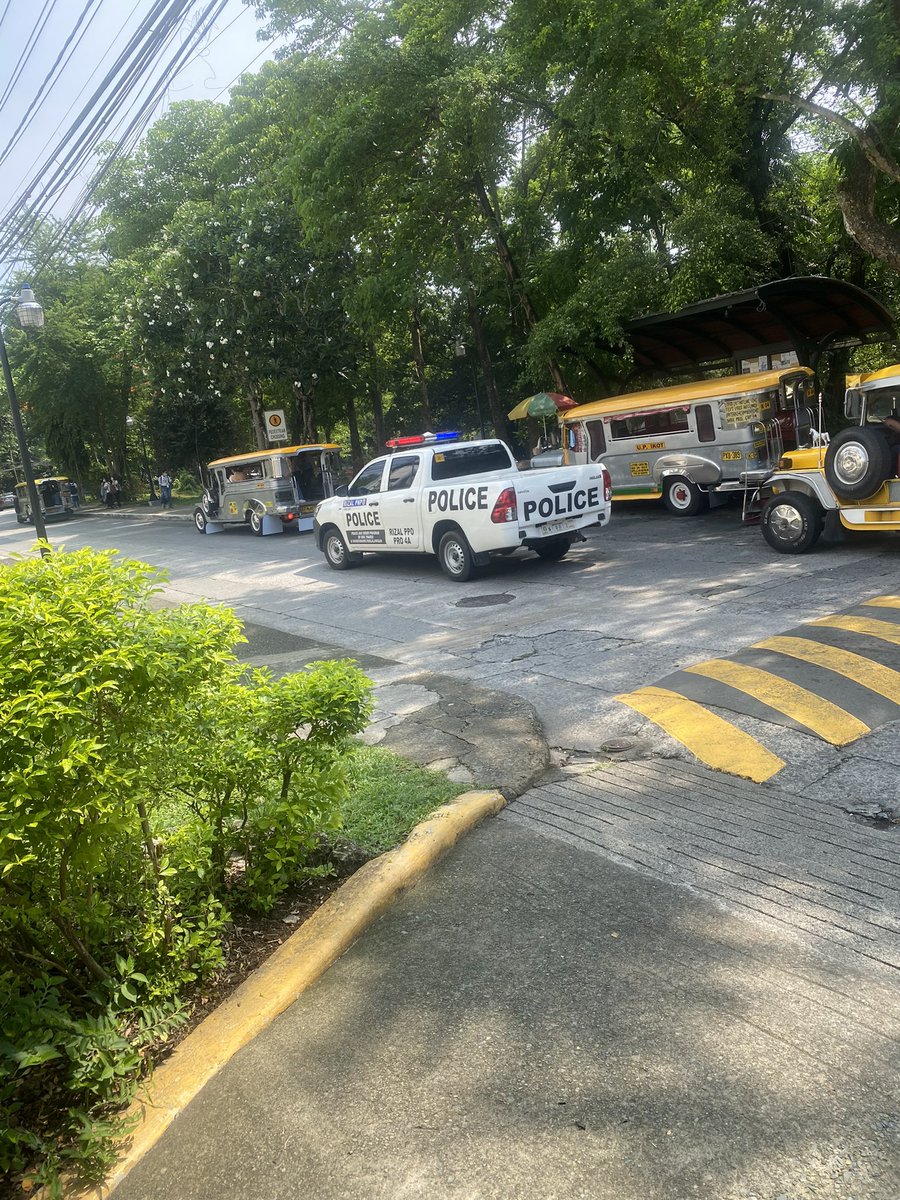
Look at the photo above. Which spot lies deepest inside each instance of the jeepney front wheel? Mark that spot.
(792, 522)
(682, 497)
(553, 549)
(335, 550)
(455, 556)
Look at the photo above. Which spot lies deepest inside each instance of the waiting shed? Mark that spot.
(757, 328)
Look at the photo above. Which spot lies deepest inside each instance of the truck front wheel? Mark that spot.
(336, 553)
(455, 556)
(792, 522)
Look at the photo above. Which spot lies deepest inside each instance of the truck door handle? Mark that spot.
(409, 499)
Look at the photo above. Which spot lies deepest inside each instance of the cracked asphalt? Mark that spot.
(645, 597)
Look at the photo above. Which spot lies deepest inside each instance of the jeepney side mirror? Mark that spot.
(853, 405)
(342, 490)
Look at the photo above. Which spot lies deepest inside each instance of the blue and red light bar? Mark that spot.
(420, 439)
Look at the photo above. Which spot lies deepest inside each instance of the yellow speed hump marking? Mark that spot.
(861, 670)
(820, 716)
(713, 740)
(884, 602)
(885, 630)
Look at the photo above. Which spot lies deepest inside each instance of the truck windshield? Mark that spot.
(470, 460)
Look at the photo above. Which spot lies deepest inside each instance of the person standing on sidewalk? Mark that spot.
(165, 489)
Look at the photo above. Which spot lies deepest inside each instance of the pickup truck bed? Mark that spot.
(464, 502)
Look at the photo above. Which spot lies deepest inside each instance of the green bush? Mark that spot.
(149, 784)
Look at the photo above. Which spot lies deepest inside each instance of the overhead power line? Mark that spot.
(25, 57)
(103, 107)
(70, 45)
(141, 75)
(139, 120)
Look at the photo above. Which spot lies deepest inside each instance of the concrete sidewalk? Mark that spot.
(533, 1020)
(643, 981)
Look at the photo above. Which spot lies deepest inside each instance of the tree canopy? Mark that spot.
(419, 188)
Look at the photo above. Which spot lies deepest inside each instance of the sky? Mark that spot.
(230, 49)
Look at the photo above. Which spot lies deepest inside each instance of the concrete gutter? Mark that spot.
(294, 967)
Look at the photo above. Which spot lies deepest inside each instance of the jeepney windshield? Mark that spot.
(882, 404)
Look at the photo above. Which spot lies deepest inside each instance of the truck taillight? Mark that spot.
(607, 485)
(505, 508)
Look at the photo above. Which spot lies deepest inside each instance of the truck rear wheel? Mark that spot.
(455, 556)
(553, 549)
(857, 462)
(682, 497)
(256, 522)
(792, 522)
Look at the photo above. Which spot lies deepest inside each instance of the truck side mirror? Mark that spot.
(852, 405)
(342, 490)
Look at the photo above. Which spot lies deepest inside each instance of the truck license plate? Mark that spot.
(556, 526)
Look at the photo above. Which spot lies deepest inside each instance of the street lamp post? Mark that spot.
(129, 421)
(31, 316)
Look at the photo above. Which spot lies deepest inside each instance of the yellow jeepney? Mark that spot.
(852, 483)
(54, 495)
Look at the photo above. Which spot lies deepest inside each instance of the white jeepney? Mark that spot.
(693, 442)
(462, 501)
(268, 490)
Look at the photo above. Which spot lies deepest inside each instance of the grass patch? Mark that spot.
(388, 796)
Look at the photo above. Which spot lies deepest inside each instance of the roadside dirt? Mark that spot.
(250, 940)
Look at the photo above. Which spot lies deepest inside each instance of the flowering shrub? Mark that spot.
(148, 783)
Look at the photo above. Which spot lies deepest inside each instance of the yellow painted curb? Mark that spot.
(297, 963)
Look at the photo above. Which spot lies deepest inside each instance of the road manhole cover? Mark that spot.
(617, 746)
(485, 601)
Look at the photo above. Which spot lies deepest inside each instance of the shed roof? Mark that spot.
(810, 313)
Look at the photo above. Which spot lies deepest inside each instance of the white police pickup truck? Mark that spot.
(463, 501)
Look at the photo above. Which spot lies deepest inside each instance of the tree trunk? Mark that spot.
(511, 270)
(356, 451)
(856, 196)
(498, 415)
(254, 399)
(376, 400)
(419, 361)
(306, 415)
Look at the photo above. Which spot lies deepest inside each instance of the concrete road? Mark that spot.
(643, 981)
(642, 600)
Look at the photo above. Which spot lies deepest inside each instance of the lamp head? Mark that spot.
(30, 313)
